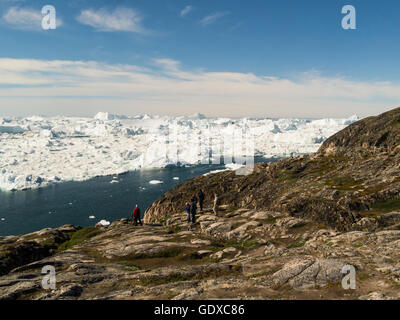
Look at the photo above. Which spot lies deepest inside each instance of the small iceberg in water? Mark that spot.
(104, 223)
(156, 182)
(92, 217)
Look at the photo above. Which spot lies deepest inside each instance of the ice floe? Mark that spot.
(38, 151)
(156, 182)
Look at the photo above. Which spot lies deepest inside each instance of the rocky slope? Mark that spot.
(347, 184)
(283, 232)
(243, 254)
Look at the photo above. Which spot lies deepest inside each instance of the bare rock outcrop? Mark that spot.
(348, 184)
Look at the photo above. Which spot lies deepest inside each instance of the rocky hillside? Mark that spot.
(242, 254)
(283, 232)
(374, 134)
(348, 184)
(16, 251)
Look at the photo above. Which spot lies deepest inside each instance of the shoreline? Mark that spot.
(52, 183)
(70, 202)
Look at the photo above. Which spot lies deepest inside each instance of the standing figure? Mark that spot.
(136, 216)
(193, 210)
(187, 207)
(216, 203)
(201, 197)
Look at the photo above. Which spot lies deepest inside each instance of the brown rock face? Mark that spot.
(373, 134)
(355, 175)
(16, 251)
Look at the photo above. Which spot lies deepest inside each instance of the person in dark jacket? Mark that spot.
(187, 207)
(201, 197)
(136, 216)
(193, 210)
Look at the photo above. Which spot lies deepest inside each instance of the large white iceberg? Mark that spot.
(37, 151)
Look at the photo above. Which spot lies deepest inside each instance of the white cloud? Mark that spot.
(84, 87)
(121, 19)
(186, 10)
(168, 64)
(212, 18)
(25, 19)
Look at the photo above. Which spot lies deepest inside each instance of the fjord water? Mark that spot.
(74, 202)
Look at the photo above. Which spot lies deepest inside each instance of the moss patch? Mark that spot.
(387, 205)
(297, 244)
(358, 244)
(344, 183)
(79, 237)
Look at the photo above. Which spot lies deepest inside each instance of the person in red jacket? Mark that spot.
(136, 216)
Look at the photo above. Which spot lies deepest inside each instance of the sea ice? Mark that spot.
(37, 151)
(155, 182)
(104, 223)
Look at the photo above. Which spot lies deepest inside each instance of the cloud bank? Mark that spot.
(165, 87)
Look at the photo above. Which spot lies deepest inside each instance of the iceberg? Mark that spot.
(104, 223)
(38, 151)
(156, 182)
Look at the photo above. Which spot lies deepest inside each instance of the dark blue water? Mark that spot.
(74, 202)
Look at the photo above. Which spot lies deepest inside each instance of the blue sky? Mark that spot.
(228, 58)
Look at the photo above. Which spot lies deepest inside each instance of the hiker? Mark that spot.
(193, 210)
(136, 216)
(201, 197)
(187, 207)
(216, 203)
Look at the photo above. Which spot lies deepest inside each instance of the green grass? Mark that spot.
(130, 265)
(270, 220)
(358, 244)
(344, 183)
(232, 208)
(5, 258)
(297, 244)
(79, 237)
(48, 244)
(364, 276)
(288, 177)
(387, 205)
(396, 121)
